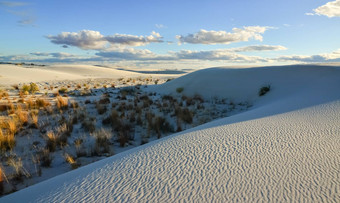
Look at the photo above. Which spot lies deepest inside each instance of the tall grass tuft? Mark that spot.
(62, 103)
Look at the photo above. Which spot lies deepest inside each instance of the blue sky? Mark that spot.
(170, 34)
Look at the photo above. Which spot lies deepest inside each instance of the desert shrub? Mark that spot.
(34, 121)
(17, 165)
(41, 102)
(34, 88)
(62, 103)
(199, 98)
(264, 90)
(101, 108)
(11, 126)
(62, 90)
(3, 93)
(45, 158)
(51, 142)
(80, 151)
(11, 108)
(184, 114)
(2, 176)
(105, 99)
(7, 141)
(31, 88)
(89, 125)
(69, 159)
(22, 117)
(74, 104)
(25, 88)
(4, 107)
(179, 89)
(102, 142)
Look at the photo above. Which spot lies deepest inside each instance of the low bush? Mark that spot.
(264, 90)
(179, 89)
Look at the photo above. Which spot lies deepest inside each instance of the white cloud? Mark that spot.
(330, 9)
(223, 37)
(258, 48)
(133, 40)
(327, 57)
(85, 39)
(217, 55)
(54, 54)
(133, 54)
(89, 39)
(229, 55)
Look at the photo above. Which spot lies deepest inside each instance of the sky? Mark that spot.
(170, 34)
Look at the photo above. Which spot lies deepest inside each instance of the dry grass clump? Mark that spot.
(69, 159)
(6, 106)
(55, 139)
(3, 94)
(184, 114)
(80, 151)
(62, 90)
(11, 126)
(89, 125)
(45, 158)
(41, 102)
(17, 165)
(2, 178)
(101, 108)
(11, 108)
(34, 121)
(102, 142)
(22, 116)
(7, 141)
(51, 143)
(62, 103)
(74, 104)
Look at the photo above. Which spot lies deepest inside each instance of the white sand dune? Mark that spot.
(12, 74)
(285, 149)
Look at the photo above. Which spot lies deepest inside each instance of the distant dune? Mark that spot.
(286, 148)
(12, 74)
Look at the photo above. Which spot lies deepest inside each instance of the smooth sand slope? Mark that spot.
(12, 74)
(286, 148)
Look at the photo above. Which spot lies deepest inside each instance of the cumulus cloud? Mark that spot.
(85, 39)
(142, 55)
(89, 39)
(133, 40)
(133, 54)
(258, 48)
(330, 9)
(54, 54)
(223, 37)
(217, 55)
(328, 57)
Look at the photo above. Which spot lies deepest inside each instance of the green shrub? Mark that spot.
(32, 88)
(179, 89)
(264, 90)
(62, 90)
